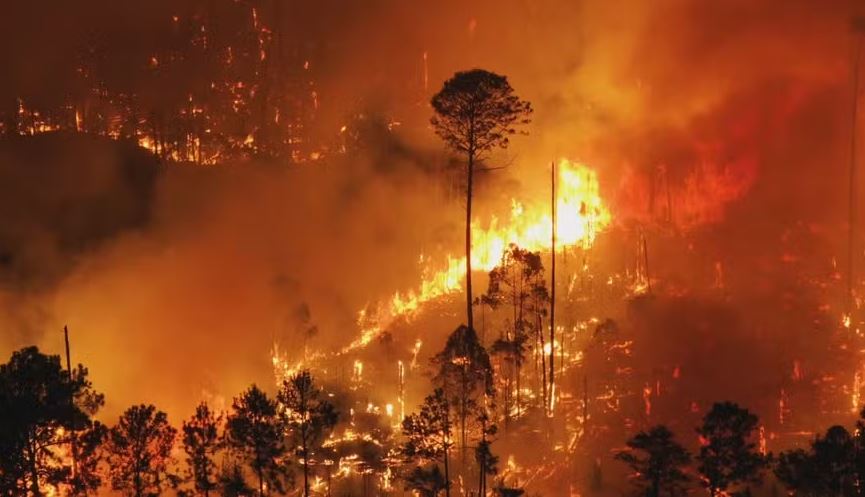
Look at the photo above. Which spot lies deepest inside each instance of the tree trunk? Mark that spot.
(463, 415)
(446, 436)
(34, 471)
(543, 358)
(482, 478)
(447, 476)
(260, 483)
(553, 294)
(305, 471)
(508, 389)
(464, 410)
(137, 482)
(470, 179)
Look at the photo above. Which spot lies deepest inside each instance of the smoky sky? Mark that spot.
(719, 128)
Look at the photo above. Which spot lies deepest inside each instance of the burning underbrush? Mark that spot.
(653, 324)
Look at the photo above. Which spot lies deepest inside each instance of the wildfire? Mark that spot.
(581, 215)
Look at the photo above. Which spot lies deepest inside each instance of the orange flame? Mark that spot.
(581, 214)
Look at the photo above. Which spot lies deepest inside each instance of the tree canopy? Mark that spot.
(657, 461)
(309, 417)
(139, 451)
(477, 110)
(828, 468)
(429, 437)
(255, 431)
(728, 456)
(41, 405)
(201, 441)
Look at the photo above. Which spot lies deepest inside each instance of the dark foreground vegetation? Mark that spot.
(298, 442)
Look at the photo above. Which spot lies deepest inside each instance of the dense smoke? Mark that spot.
(721, 130)
(223, 269)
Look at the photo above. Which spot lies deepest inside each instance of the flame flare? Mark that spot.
(581, 215)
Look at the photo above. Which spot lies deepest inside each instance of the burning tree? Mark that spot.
(487, 462)
(518, 282)
(429, 439)
(139, 451)
(657, 461)
(475, 112)
(255, 431)
(465, 375)
(363, 447)
(729, 456)
(201, 442)
(218, 81)
(41, 405)
(308, 417)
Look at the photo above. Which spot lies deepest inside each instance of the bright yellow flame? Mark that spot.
(358, 371)
(581, 215)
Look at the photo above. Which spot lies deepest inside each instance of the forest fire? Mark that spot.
(434, 249)
(581, 216)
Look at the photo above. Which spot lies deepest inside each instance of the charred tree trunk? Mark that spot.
(259, 471)
(34, 470)
(519, 336)
(469, 184)
(72, 444)
(305, 469)
(656, 486)
(553, 290)
(482, 476)
(139, 485)
(464, 412)
(445, 443)
(542, 359)
(508, 389)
